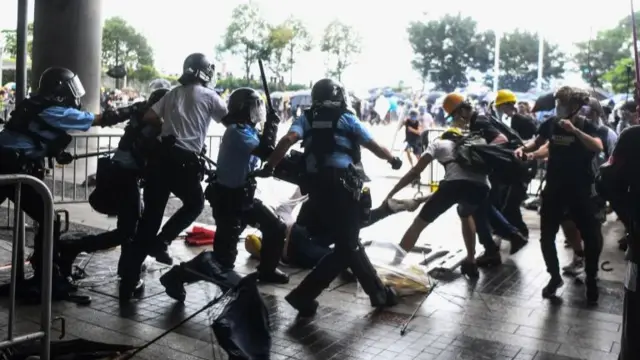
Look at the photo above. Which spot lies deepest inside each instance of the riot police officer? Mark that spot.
(573, 147)
(184, 115)
(37, 131)
(331, 137)
(231, 195)
(117, 189)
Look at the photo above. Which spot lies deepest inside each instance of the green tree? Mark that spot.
(246, 35)
(300, 42)
(274, 53)
(446, 48)
(123, 45)
(598, 55)
(143, 73)
(622, 76)
(11, 41)
(341, 42)
(519, 61)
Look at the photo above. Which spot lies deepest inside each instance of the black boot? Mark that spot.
(379, 295)
(69, 249)
(489, 259)
(174, 284)
(303, 297)
(552, 287)
(162, 256)
(518, 241)
(592, 293)
(274, 277)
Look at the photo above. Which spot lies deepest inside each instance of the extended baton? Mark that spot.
(265, 86)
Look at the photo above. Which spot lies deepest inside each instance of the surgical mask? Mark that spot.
(562, 111)
(413, 117)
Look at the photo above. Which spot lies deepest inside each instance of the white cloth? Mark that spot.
(187, 112)
(442, 150)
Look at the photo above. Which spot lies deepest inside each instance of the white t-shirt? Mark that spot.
(427, 121)
(442, 151)
(187, 112)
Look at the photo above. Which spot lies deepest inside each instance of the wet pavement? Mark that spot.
(499, 316)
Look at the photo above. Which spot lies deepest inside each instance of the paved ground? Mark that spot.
(500, 316)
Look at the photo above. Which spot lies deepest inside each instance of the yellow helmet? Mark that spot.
(505, 96)
(253, 244)
(452, 102)
(451, 133)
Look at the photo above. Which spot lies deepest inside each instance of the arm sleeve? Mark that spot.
(159, 107)
(68, 119)
(298, 125)
(362, 133)
(433, 149)
(218, 108)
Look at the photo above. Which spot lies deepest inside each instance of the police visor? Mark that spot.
(75, 87)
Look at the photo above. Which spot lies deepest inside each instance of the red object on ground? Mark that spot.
(199, 236)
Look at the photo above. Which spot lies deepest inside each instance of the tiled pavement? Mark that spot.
(501, 316)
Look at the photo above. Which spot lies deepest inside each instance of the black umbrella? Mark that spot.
(546, 102)
(434, 95)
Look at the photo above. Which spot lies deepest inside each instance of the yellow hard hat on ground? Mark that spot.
(505, 96)
(253, 244)
(452, 102)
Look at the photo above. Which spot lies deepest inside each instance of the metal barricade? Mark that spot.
(18, 243)
(73, 183)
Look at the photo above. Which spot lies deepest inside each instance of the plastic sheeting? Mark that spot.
(395, 269)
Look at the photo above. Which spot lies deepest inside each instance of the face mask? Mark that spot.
(413, 117)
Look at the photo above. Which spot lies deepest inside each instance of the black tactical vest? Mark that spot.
(324, 127)
(25, 115)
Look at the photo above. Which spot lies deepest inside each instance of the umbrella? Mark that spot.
(434, 95)
(10, 86)
(545, 102)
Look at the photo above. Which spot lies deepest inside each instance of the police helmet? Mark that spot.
(197, 69)
(61, 85)
(155, 96)
(329, 93)
(158, 84)
(245, 105)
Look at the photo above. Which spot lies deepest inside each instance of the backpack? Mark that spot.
(474, 154)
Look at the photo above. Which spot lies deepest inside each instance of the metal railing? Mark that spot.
(72, 183)
(47, 262)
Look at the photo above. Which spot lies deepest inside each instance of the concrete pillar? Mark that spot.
(68, 33)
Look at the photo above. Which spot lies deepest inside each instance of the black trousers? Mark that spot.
(30, 202)
(630, 347)
(171, 170)
(508, 199)
(232, 213)
(333, 210)
(129, 212)
(580, 205)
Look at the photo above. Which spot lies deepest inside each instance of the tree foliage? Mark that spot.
(444, 49)
(519, 61)
(11, 41)
(122, 44)
(284, 42)
(622, 76)
(245, 36)
(598, 55)
(341, 42)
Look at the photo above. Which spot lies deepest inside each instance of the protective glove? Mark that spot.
(396, 163)
(265, 172)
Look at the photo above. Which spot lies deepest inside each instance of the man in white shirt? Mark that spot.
(184, 115)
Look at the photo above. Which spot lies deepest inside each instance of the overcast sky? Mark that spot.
(169, 26)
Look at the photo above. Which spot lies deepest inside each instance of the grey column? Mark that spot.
(68, 33)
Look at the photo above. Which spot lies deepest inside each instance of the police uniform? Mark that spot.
(37, 132)
(331, 138)
(117, 189)
(569, 189)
